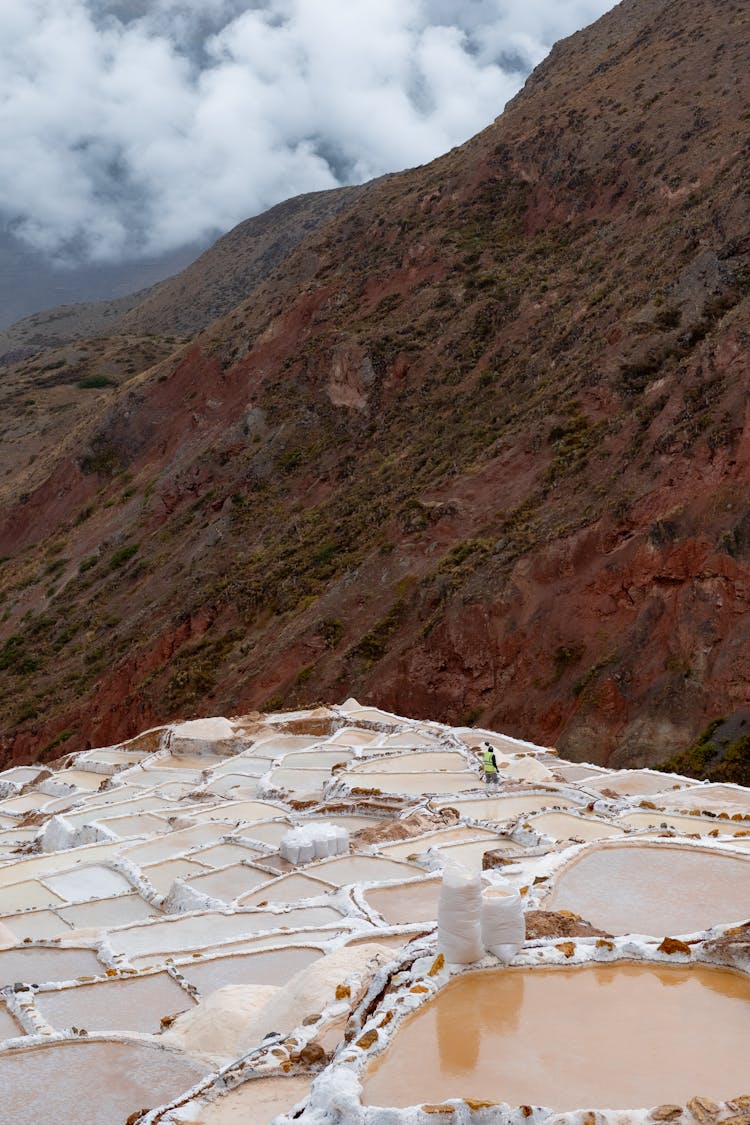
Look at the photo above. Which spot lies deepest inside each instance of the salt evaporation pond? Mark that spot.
(566, 826)
(423, 763)
(652, 889)
(123, 1005)
(518, 1036)
(35, 924)
(274, 967)
(202, 820)
(9, 1029)
(414, 782)
(96, 1083)
(406, 902)
(106, 912)
(689, 825)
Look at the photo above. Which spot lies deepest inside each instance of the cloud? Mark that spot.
(131, 127)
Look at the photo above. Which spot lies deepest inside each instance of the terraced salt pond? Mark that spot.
(414, 782)
(196, 931)
(98, 1083)
(566, 826)
(508, 808)
(638, 782)
(721, 800)
(405, 902)
(33, 924)
(687, 825)
(287, 889)
(660, 890)
(274, 967)
(518, 1036)
(9, 1029)
(421, 762)
(40, 964)
(126, 1005)
(119, 936)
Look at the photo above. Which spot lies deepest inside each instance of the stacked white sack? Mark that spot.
(503, 922)
(314, 841)
(459, 915)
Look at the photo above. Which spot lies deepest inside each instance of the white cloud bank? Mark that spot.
(131, 127)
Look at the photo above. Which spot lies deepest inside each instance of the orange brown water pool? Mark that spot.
(617, 1036)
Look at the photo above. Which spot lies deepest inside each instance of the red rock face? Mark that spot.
(478, 449)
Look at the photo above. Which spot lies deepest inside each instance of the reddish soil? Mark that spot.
(476, 448)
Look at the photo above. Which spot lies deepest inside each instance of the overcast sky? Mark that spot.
(129, 128)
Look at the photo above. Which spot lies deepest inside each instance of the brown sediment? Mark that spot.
(558, 923)
(392, 830)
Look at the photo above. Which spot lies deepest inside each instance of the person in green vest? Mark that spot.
(489, 765)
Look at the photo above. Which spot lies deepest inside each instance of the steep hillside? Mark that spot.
(478, 448)
(184, 304)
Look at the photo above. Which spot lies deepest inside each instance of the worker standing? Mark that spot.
(489, 765)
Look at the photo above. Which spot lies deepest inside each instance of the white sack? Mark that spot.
(503, 923)
(316, 840)
(459, 915)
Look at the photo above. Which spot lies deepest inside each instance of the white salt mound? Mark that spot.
(234, 1019)
(215, 1028)
(526, 769)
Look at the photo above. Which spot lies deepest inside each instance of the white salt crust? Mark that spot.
(173, 787)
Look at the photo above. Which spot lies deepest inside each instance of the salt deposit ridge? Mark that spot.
(227, 921)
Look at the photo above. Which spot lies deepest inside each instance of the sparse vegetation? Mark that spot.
(95, 382)
(56, 741)
(123, 555)
(372, 647)
(331, 630)
(721, 753)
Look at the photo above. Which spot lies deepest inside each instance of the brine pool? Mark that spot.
(96, 1082)
(518, 1036)
(656, 890)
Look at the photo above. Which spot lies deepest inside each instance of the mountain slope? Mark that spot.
(182, 305)
(479, 447)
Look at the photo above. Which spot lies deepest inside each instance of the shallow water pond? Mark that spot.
(95, 1083)
(118, 1005)
(517, 1035)
(408, 902)
(508, 808)
(658, 890)
(40, 965)
(565, 826)
(275, 967)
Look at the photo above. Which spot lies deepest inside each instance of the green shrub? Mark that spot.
(372, 647)
(331, 630)
(124, 554)
(274, 703)
(289, 461)
(11, 652)
(95, 382)
(304, 674)
(58, 739)
(564, 657)
(463, 551)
